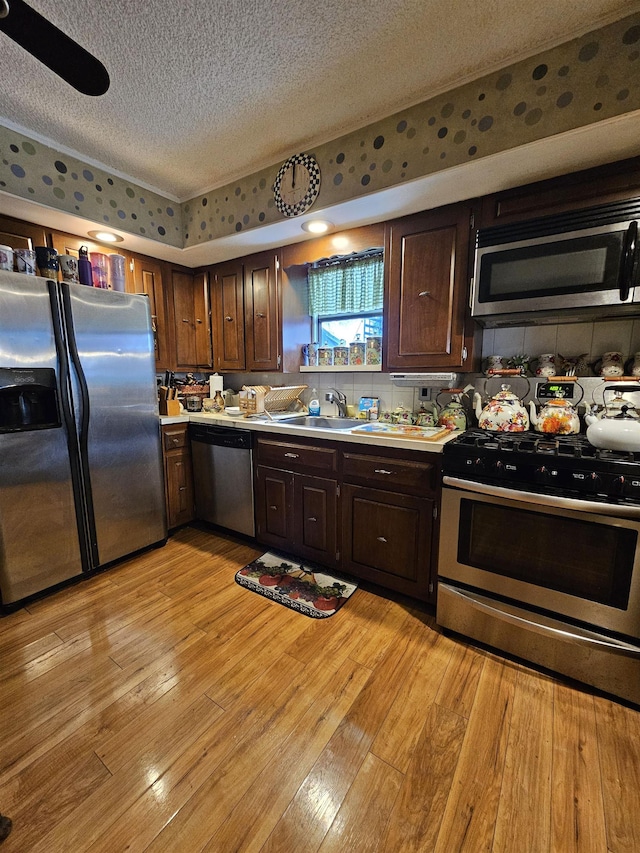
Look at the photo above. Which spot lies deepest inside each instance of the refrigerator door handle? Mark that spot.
(83, 435)
(70, 423)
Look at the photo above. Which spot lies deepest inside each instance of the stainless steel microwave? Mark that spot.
(573, 266)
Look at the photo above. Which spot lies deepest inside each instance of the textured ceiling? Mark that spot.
(203, 93)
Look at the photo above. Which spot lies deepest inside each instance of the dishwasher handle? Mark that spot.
(221, 436)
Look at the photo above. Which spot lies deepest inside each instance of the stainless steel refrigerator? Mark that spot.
(81, 477)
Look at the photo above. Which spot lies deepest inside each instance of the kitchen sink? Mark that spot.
(319, 422)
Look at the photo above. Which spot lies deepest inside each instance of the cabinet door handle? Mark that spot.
(381, 539)
(229, 319)
(311, 518)
(381, 471)
(182, 488)
(273, 507)
(184, 321)
(198, 321)
(292, 455)
(261, 315)
(424, 293)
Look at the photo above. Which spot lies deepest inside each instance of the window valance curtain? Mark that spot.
(347, 285)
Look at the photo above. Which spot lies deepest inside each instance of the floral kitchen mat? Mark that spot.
(302, 586)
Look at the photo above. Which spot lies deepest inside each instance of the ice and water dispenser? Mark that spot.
(28, 399)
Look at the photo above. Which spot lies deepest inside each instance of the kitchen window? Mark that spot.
(345, 296)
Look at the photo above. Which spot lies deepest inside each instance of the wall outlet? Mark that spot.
(424, 394)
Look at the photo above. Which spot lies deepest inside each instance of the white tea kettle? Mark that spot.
(618, 427)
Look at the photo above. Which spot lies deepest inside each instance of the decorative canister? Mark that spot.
(493, 362)
(356, 351)
(341, 354)
(374, 350)
(25, 261)
(6, 258)
(612, 364)
(546, 364)
(635, 366)
(325, 356)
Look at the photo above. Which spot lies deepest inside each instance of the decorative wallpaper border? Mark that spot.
(584, 81)
(34, 171)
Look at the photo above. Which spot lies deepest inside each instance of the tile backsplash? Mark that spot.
(354, 385)
(568, 339)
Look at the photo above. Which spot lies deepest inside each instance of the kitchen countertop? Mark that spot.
(264, 424)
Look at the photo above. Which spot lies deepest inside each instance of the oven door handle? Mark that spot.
(615, 510)
(544, 626)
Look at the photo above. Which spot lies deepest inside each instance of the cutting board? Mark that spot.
(418, 433)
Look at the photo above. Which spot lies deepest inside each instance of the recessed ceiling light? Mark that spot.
(105, 236)
(317, 226)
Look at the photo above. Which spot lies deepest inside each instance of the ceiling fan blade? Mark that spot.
(53, 47)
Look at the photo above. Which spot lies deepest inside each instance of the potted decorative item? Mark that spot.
(519, 362)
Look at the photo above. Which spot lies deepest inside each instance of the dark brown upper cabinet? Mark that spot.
(245, 301)
(192, 326)
(427, 258)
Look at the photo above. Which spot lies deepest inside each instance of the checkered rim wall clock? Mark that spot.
(297, 184)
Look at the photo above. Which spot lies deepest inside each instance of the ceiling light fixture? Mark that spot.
(105, 236)
(317, 226)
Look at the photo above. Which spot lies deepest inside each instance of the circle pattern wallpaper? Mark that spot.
(587, 80)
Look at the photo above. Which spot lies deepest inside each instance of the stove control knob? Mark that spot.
(618, 486)
(499, 469)
(478, 465)
(593, 482)
(542, 474)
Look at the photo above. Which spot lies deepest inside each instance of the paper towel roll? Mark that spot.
(215, 384)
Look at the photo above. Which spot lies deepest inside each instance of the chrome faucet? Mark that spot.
(340, 399)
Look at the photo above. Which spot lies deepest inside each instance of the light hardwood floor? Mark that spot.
(161, 707)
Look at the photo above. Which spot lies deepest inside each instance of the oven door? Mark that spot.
(565, 557)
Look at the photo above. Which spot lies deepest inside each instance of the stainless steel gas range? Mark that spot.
(539, 553)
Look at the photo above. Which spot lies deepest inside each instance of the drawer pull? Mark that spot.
(424, 293)
(229, 319)
(381, 539)
(175, 441)
(273, 507)
(381, 471)
(292, 455)
(311, 518)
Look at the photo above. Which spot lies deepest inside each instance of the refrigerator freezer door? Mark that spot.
(114, 340)
(39, 545)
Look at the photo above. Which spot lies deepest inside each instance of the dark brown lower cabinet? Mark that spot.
(368, 511)
(178, 475)
(316, 514)
(297, 513)
(274, 507)
(387, 538)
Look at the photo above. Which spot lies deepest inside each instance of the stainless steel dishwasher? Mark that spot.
(223, 476)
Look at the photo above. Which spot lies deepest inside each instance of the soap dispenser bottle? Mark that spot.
(314, 403)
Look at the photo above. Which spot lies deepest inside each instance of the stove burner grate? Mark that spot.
(532, 443)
